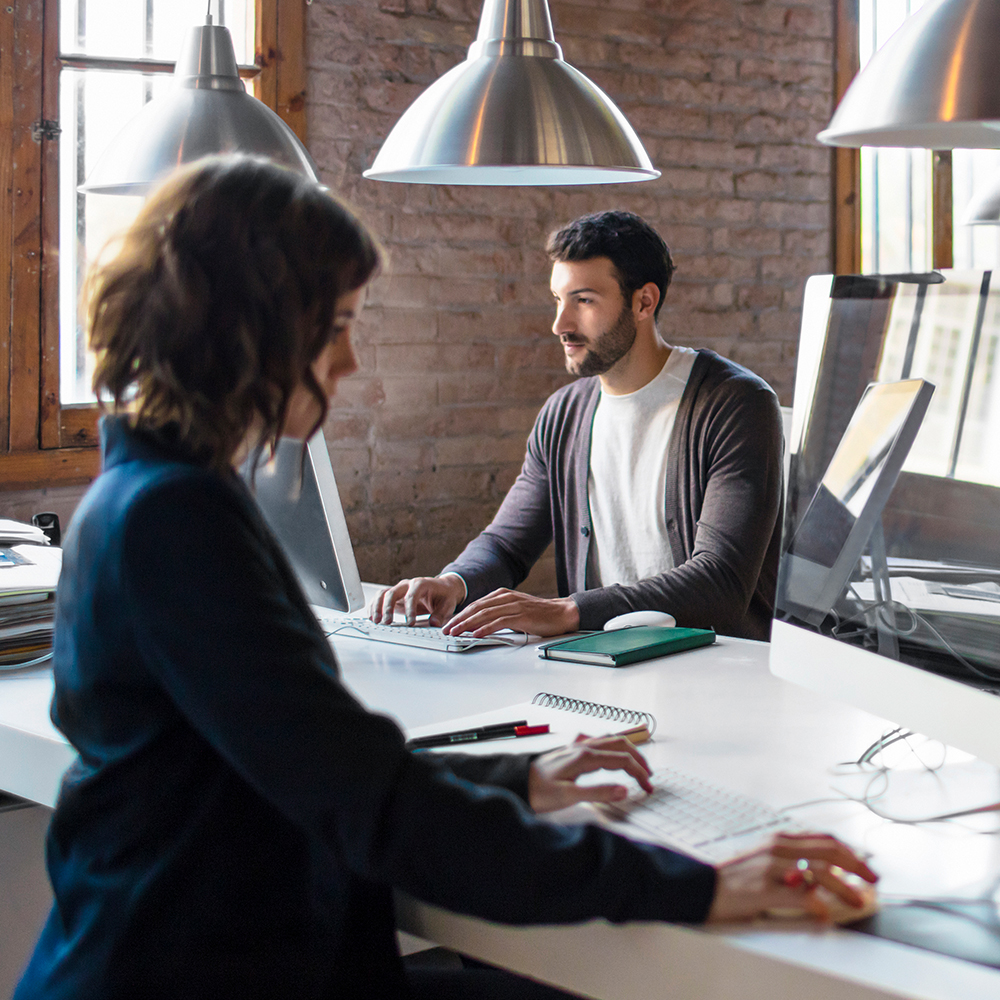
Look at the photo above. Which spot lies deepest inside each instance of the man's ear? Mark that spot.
(645, 300)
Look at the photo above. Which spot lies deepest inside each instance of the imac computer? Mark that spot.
(301, 504)
(889, 584)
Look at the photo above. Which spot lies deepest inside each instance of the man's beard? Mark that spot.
(609, 348)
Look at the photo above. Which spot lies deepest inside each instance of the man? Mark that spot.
(658, 472)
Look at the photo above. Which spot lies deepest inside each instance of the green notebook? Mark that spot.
(627, 645)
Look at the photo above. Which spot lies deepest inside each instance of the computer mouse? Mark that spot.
(640, 618)
(838, 912)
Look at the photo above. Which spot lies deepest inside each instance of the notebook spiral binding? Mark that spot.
(630, 716)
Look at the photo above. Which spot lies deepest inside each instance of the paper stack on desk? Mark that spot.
(28, 577)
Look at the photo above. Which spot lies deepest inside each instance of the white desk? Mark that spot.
(722, 715)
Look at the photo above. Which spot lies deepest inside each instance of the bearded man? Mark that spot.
(658, 472)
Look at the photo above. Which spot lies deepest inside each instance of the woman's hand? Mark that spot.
(785, 876)
(552, 777)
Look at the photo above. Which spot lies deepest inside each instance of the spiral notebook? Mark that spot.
(566, 718)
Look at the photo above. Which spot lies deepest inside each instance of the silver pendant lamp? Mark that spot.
(208, 111)
(933, 85)
(513, 113)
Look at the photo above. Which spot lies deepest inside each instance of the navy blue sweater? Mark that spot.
(236, 821)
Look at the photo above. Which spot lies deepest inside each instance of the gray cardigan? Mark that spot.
(723, 507)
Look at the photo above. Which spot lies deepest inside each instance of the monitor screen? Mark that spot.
(847, 505)
(889, 586)
(301, 504)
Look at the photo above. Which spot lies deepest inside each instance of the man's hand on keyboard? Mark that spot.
(552, 777)
(785, 877)
(437, 596)
(514, 610)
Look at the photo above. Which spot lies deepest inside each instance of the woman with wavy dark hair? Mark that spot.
(236, 821)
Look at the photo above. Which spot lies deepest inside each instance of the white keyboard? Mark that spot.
(425, 636)
(700, 819)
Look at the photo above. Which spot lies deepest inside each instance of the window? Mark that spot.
(896, 184)
(902, 210)
(949, 334)
(79, 69)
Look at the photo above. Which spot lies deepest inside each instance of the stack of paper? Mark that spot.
(28, 577)
(13, 532)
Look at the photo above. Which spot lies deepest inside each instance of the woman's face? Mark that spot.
(334, 362)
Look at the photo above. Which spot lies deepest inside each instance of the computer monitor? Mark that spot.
(848, 502)
(939, 522)
(301, 504)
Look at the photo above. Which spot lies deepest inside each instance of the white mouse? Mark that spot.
(640, 618)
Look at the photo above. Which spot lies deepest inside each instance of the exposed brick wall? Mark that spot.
(455, 348)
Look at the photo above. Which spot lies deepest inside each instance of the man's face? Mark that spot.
(593, 320)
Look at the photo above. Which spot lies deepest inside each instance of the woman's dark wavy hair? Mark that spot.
(636, 249)
(218, 299)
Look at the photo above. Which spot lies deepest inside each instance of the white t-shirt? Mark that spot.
(627, 483)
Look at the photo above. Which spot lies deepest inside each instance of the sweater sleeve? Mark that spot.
(504, 552)
(232, 645)
(731, 479)
(505, 770)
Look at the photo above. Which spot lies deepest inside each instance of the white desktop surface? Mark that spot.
(721, 715)
(33, 753)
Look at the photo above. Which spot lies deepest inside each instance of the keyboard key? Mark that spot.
(422, 636)
(693, 816)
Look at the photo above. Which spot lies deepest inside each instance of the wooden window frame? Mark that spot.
(43, 443)
(846, 194)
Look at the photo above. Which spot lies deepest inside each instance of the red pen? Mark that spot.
(530, 730)
(501, 732)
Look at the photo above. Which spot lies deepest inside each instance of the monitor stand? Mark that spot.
(885, 615)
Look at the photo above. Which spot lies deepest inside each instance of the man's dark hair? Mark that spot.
(637, 251)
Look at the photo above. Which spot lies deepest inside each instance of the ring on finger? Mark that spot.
(800, 875)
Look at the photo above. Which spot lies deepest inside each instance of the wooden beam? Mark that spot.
(38, 469)
(6, 222)
(265, 85)
(291, 83)
(942, 218)
(78, 426)
(48, 315)
(26, 192)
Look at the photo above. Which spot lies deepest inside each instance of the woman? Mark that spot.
(236, 821)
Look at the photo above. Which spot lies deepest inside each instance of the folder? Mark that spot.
(627, 645)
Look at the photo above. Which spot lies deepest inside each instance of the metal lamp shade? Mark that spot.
(933, 85)
(513, 113)
(208, 112)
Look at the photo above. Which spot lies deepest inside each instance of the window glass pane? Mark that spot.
(94, 105)
(941, 353)
(974, 171)
(979, 450)
(895, 183)
(151, 29)
(895, 210)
